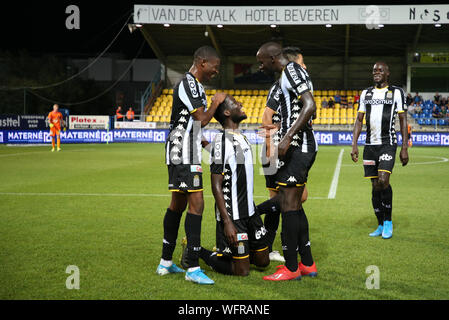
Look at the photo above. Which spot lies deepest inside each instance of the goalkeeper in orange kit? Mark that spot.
(55, 119)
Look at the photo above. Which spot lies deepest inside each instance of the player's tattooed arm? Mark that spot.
(355, 136)
(309, 108)
(229, 229)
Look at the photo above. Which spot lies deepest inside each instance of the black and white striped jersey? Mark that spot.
(273, 102)
(231, 156)
(284, 98)
(381, 107)
(183, 145)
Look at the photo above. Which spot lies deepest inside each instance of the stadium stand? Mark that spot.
(254, 104)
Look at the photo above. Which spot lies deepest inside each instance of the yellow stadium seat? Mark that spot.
(170, 91)
(156, 119)
(149, 118)
(165, 91)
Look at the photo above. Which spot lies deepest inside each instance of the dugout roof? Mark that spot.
(314, 40)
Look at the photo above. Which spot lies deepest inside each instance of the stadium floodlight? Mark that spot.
(166, 25)
(219, 26)
(131, 27)
(437, 25)
(328, 26)
(273, 26)
(138, 25)
(381, 26)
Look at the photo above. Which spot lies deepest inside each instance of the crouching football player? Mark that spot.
(240, 233)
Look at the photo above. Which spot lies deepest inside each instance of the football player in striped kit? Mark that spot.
(381, 104)
(183, 159)
(240, 233)
(297, 150)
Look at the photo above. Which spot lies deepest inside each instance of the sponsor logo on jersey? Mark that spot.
(291, 70)
(192, 86)
(378, 101)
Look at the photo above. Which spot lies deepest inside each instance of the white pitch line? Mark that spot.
(74, 194)
(334, 183)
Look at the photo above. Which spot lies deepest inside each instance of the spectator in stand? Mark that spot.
(130, 114)
(409, 100)
(444, 101)
(436, 113)
(417, 99)
(350, 105)
(437, 98)
(324, 103)
(119, 114)
(337, 98)
(330, 103)
(417, 107)
(443, 112)
(356, 98)
(343, 102)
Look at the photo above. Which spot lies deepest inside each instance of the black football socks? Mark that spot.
(272, 212)
(376, 200)
(171, 226)
(192, 227)
(289, 236)
(387, 202)
(221, 264)
(304, 242)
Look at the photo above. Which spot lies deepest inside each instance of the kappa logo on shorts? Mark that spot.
(292, 179)
(385, 157)
(183, 185)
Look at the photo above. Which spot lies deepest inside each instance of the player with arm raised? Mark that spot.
(296, 154)
(183, 158)
(381, 103)
(271, 125)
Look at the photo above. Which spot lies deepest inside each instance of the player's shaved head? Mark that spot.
(384, 64)
(205, 53)
(270, 58)
(381, 73)
(55, 107)
(270, 49)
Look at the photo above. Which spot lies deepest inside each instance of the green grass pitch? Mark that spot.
(100, 208)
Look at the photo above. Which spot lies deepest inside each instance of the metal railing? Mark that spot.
(150, 92)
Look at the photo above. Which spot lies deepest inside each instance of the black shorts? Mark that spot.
(378, 158)
(185, 178)
(294, 169)
(251, 236)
